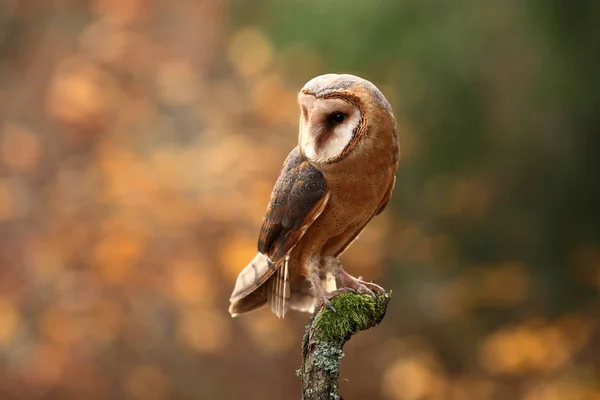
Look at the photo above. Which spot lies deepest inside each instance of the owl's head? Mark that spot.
(337, 112)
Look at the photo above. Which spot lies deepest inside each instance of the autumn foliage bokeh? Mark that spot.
(139, 142)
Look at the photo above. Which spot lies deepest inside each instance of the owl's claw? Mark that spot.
(347, 281)
(325, 303)
(369, 292)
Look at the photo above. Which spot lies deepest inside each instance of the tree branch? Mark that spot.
(326, 334)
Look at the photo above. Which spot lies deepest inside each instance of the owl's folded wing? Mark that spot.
(300, 195)
(298, 198)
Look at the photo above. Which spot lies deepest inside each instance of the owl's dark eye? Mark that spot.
(337, 118)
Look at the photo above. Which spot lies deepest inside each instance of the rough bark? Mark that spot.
(325, 336)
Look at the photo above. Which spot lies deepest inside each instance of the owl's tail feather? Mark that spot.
(251, 289)
(278, 293)
(263, 283)
(259, 284)
(255, 300)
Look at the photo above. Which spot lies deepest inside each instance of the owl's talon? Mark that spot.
(373, 287)
(369, 292)
(347, 281)
(325, 303)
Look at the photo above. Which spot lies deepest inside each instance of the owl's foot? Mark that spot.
(322, 296)
(347, 281)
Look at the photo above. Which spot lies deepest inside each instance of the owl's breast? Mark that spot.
(356, 195)
(357, 185)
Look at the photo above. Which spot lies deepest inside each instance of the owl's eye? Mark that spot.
(337, 118)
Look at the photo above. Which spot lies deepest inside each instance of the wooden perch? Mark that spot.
(325, 335)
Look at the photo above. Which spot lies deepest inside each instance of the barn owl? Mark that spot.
(341, 175)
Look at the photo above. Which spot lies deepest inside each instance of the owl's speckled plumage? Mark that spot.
(339, 177)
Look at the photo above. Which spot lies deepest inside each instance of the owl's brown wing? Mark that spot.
(382, 206)
(299, 197)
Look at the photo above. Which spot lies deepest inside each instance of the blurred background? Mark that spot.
(140, 140)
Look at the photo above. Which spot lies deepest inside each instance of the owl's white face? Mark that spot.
(327, 127)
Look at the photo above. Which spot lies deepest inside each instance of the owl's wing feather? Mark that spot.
(382, 206)
(299, 197)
